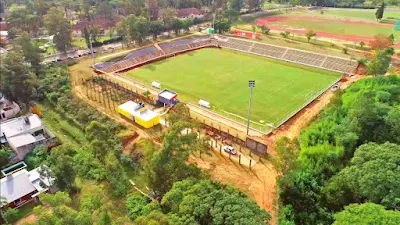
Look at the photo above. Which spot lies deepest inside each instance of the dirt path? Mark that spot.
(31, 218)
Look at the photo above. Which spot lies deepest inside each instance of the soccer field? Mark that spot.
(221, 77)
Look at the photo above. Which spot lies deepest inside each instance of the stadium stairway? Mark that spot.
(158, 47)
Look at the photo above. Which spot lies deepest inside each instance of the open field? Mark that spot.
(366, 14)
(221, 77)
(332, 26)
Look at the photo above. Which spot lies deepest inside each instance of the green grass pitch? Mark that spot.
(221, 77)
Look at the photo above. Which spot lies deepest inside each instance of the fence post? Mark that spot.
(250, 164)
(240, 158)
(220, 149)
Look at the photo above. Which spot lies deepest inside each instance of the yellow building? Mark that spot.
(138, 113)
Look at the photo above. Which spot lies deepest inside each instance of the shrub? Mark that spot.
(11, 215)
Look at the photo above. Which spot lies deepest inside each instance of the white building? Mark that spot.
(22, 134)
(21, 186)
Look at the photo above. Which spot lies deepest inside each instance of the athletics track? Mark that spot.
(353, 38)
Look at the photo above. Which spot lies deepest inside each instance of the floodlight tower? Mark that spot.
(252, 84)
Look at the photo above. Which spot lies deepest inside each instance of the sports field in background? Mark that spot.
(331, 26)
(357, 14)
(221, 77)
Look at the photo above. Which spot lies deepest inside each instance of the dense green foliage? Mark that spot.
(338, 164)
(199, 202)
(58, 209)
(367, 213)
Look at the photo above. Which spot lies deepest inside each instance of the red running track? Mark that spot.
(353, 38)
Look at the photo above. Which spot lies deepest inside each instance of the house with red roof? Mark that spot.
(100, 21)
(190, 13)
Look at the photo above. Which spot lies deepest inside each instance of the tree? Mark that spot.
(310, 34)
(286, 155)
(57, 25)
(135, 205)
(61, 163)
(367, 213)
(362, 44)
(264, 29)
(11, 215)
(106, 10)
(156, 27)
(17, 82)
(180, 112)
(168, 16)
(169, 165)
(4, 157)
(380, 42)
(154, 217)
(222, 25)
(116, 176)
(177, 25)
(35, 158)
(30, 51)
(236, 5)
(209, 202)
(381, 62)
(285, 34)
(186, 24)
(372, 174)
(23, 20)
(379, 11)
(153, 9)
(231, 14)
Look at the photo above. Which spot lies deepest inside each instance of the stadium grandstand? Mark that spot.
(167, 49)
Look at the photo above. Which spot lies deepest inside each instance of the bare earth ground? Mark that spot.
(31, 218)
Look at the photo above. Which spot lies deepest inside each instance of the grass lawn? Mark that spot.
(221, 77)
(333, 27)
(58, 124)
(359, 14)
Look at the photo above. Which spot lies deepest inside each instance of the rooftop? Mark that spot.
(16, 185)
(138, 110)
(21, 183)
(20, 125)
(189, 11)
(168, 94)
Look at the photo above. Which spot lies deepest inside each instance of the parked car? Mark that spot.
(230, 150)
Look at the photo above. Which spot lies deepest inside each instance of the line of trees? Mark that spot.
(345, 164)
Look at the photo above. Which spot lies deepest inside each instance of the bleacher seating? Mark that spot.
(292, 55)
(307, 58)
(345, 65)
(147, 54)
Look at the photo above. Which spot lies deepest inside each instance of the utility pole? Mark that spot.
(252, 84)
(215, 11)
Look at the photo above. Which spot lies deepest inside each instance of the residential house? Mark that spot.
(8, 108)
(190, 13)
(21, 186)
(22, 134)
(100, 21)
(186, 13)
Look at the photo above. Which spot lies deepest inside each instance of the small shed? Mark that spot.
(139, 114)
(168, 97)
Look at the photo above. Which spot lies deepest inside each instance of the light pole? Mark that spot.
(252, 84)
